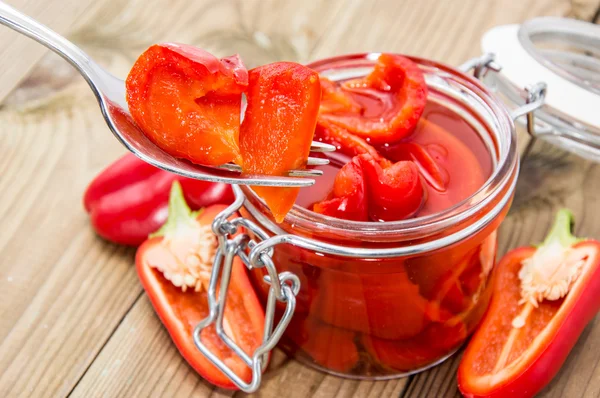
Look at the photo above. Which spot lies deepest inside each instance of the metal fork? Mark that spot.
(110, 93)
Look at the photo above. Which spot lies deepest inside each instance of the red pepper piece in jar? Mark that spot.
(391, 98)
(128, 200)
(334, 99)
(453, 293)
(174, 268)
(346, 142)
(436, 176)
(348, 200)
(542, 299)
(330, 347)
(395, 192)
(278, 127)
(434, 343)
(188, 102)
(388, 306)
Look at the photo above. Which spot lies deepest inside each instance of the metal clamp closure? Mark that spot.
(283, 287)
(480, 65)
(535, 93)
(535, 100)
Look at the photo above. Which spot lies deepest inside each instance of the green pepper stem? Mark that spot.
(561, 230)
(179, 212)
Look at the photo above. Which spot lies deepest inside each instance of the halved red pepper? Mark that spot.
(188, 102)
(543, 298)
(390, 101)
(278, 127)
(348, 200)
(174, 267)
(128, 200)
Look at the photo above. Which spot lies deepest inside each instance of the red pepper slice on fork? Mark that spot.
(174, 267)
(542, 299)
(188, 102)
(278, 127)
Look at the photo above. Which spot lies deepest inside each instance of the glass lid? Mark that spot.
(565, 55)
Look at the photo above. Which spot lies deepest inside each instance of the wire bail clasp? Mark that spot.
(536, 93)
(481, 65)
(283, 287)
(535, 100)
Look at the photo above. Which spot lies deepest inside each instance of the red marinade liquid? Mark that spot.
(452, 158)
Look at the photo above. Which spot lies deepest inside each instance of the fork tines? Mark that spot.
(293, 173)
(315, 147)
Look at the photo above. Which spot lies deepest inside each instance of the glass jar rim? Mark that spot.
(506, 166)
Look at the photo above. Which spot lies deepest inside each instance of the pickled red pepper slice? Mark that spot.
(542, 299)
(433, 343)
(383, 107)
(394, 192)
(435, 175)
(387, 306)
(188, 102)
(348, 200)
(278, 127)
(330, 347)
(334, 99)
(346, 142)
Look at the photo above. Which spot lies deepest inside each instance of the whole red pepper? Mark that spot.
(128, 200)
(542, 299)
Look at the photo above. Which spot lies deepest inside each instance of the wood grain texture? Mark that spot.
(63, 290)
(20, 54)
(73, 318)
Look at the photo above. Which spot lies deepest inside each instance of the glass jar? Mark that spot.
(382, 300)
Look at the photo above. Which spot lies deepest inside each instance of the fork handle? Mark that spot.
(92, 73)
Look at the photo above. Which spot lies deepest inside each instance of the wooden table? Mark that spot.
(73, 317)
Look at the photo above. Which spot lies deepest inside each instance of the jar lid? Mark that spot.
(565, 55)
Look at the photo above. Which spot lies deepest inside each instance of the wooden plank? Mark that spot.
(584, 9)
(63, 289)
(65, 294)
(23, 53)
(140, 360)
(146, 361)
